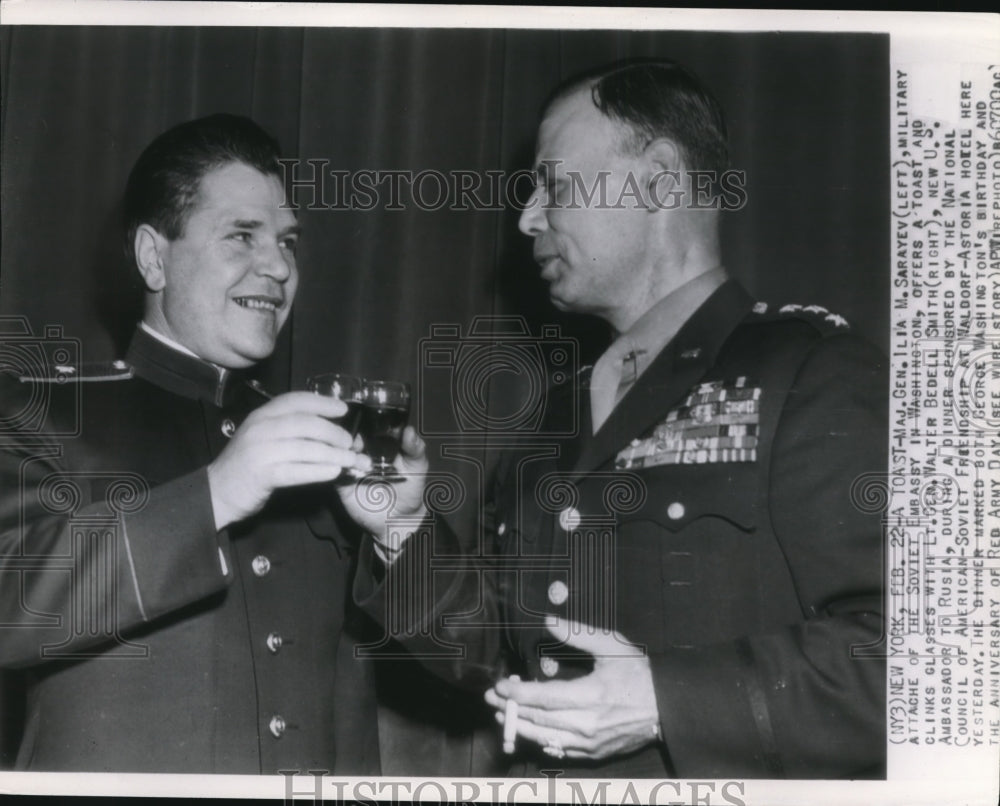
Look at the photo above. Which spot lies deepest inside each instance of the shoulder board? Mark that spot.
(816, 315)
(66, 373)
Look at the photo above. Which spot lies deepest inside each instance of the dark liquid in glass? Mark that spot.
(382, 429)
(351, 421)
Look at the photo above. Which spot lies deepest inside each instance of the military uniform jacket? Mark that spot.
(709, 520)
(144, 649)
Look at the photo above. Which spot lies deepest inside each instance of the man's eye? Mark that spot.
(552, 188)
(242, 237)
(290, 244)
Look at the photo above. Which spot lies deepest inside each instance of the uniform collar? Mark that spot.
(678, 366)
(632, 352)
(178, 370)
(657, 326)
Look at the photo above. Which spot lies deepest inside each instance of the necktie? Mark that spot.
(614, 372)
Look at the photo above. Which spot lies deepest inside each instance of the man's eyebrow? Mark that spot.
(252, 224)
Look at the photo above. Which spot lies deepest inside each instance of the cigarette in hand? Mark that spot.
(510, 722)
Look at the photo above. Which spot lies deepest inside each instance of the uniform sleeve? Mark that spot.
(83, 563)
(437, 603)
(808, 700)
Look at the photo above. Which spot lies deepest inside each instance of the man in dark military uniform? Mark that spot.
(684, 587)
(175, 598)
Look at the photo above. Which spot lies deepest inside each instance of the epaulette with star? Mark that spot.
(117, 370)
(816, 315)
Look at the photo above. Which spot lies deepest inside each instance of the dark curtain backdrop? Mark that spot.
(808, 121)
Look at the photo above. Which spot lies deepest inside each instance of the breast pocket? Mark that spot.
(689, 554)
(682, 496)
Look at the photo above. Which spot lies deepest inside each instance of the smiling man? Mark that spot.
(186, 611)
(684, 586)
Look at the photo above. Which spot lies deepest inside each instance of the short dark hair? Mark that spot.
(658, 98)
(164, 181)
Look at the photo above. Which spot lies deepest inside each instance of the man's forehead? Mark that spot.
(572, 122)
(239, 191)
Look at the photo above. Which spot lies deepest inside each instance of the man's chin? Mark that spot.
(244, 356)
(558, 300)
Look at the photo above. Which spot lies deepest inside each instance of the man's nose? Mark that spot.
(276, 263)
(532, 221)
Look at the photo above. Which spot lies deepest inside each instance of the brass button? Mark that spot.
(675, 511)
(277, 726)
(569, 519)
(261, 565)
(501, 528)
(550, 666)
(274, 642)
(558, 592)
(228, 428)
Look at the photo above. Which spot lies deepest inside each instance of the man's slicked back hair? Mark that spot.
(658, 98)
(164, 181)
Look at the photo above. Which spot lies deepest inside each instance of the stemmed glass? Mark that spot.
(348, 388)
(376, 409)
(385, 410)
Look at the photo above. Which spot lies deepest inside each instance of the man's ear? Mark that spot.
(663, 167)
(662, 154)
(150, 253)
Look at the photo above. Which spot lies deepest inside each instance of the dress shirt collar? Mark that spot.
(656, 327)
(176, 345)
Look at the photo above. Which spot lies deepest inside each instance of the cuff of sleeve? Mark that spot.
(375, 562)
(369, 574)
(710, 710)
(172, 547)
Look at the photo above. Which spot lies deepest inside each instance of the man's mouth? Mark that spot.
(545, 261)
(259, 303)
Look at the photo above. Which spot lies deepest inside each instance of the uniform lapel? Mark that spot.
(678, 367)
(580, 427)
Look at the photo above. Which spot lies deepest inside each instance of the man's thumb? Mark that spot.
(597, 641)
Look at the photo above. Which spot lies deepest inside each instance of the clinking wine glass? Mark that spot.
(348, 388)
(383, 417)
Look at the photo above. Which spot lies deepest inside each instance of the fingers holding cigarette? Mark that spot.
(506, 715)
(510, 726)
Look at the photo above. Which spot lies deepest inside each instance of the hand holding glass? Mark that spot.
(349, 389)
(377, 409)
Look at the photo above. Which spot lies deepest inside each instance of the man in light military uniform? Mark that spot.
(721, 627)
(174, 597)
